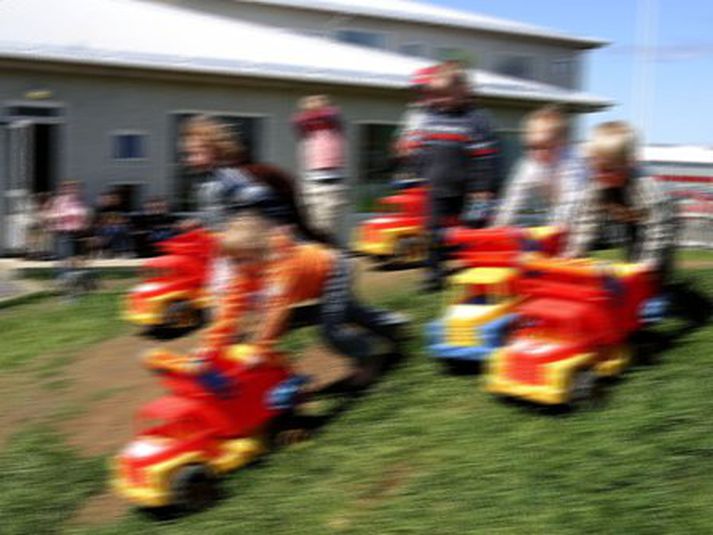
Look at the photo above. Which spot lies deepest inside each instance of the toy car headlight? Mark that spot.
(141, 448)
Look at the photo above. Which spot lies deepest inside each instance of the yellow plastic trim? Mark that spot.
(553, 392)
(238, 453)
(157, 491)
(484, 275)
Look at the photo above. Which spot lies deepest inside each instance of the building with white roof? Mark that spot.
(95, 90)
(686, 174)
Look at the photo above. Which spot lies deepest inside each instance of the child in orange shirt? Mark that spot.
(289, 273)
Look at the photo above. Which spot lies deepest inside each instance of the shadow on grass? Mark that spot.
(690, 308)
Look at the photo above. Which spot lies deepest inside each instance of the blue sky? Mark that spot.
(683, 70)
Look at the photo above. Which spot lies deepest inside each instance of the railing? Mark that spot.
(696, 231)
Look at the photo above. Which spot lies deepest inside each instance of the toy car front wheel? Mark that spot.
(193, 487)
(410, 250)
(180, 315)
(582, 388)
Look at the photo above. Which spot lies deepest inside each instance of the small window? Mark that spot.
(362, 38)
(415, 50)
(562, 67)
(447, 53)
(129, 146)
(516, 66)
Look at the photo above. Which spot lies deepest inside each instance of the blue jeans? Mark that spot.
(65, 247)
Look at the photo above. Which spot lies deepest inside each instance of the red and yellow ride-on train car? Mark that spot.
(203, 428)
(397, 235)
(572, 329)
(173, 295)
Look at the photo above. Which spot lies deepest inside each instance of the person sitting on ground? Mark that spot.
(110, 227)
(620, 194)
(153, 225)
(548, 179)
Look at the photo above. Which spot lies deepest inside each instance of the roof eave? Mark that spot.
(256, 78)
(581, 43)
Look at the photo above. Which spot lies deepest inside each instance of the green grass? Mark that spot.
(682, 255)
(431, 453)
(49, 272)
(52, 325)
(42, 483)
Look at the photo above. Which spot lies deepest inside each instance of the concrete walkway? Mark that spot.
(13, 288)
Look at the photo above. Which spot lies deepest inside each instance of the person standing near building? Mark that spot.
(458, 156)
(320, 130)
(68, 216)
(413, 118)
(548, 179)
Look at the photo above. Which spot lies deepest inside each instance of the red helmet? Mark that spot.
(422, 77)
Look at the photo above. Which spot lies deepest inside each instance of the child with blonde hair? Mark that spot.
(548, 179)
(287, 272)
(619, 193)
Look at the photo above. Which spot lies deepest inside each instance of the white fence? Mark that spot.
(696, 231)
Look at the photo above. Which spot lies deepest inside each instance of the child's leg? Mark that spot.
(347, 324)
(440, 209)
(335, 315)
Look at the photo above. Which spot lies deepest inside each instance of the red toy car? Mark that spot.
(572, 328)
(397, 236)
(189, 437)
(173, 295)
(502, 246)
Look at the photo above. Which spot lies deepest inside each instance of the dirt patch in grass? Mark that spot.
(114, 383)
(91, 396)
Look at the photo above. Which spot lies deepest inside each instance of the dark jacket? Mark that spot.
(457, 151)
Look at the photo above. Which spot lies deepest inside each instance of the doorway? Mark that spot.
(44, 154)
(30, 144)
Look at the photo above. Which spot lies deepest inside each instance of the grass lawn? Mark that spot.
(50, 324)
(682, 255)
(427, 452)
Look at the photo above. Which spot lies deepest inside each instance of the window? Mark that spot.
(447, 53)
(129, 196)
(562, 68)
(516, 66)
(416, 50)
(362, 38)
(129, 146)
(375, 142)
(563, 72)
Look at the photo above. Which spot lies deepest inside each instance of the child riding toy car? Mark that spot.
(210, 423)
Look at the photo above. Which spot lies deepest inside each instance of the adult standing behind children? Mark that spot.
(548, 179)
(619, 193)
(320, 130)
(458, 156)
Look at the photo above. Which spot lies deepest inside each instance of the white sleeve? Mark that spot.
(518, 188)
